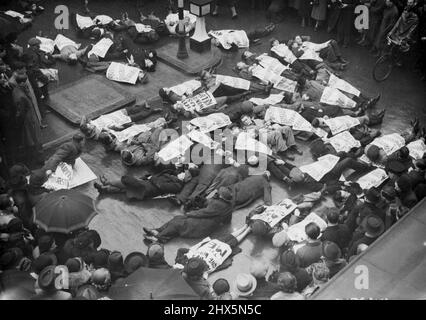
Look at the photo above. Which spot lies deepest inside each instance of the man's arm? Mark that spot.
(267, 196)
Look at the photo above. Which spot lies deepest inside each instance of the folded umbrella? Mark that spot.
(64, 211)
(153, 284)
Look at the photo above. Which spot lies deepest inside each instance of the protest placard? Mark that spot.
(175, 148)
(320, 168)
(84, 22)
(285, 84)
(271, 64)
(116, 118)
(211, 122)
(389, 143)
(334, 97)
(343, 142)
(62, 41)
(130, 132)
(274, 214)
(417, 149)
(284, 52)
(228, 37)
(340, 124)
(186, 88)
(101, 48)
(202, 138)
(47, 45)
(297, 232)
(122, 73)
(233, 82)
(214, 252)
(198, 103)
(272, 99)
(342, 85)
(246, 142)
(373, 179)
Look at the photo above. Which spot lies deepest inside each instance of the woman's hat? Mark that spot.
(115, 261)
(100, 258)
(195, 267)
(373, 225)
(134, 261)
(46, 279)
(225, 194)
(44, 260)
(245, 284)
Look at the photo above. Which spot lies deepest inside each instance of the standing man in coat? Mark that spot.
(67, 152)
(342, 18)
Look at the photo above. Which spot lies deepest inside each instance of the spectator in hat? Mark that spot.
(39, 58)
(332, 257)
(193, 273)
(403, 156)
(42, 261)
(67, 152)
(395, 168)
(155, 254)
(101, 279)
(404, 191)
(320, 276)
(373, 227)
(335, 231)
(311, 252)
(45, 244)
(264, 289)
(417, 175)
(134, 261)
(221, 290)
(288, 285)
(289, 262)
(11, 259)
(79, 273)
(100, 259)
(116, 265)
(244, 285)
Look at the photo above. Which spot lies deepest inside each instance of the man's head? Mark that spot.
(373, 153)
(34, 43)
(389, 3)
(287, 282)
(298, 40)
(72, 58)
(246, 54)
(274, 42)
(333, 215)
(312, 230)
(7, 204)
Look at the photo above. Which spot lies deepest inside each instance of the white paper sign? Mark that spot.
(198, 103)
(389, 143)
(272, 99)
(342, 123)
(142, 28)
(51, 74)
(212, 251)
(417, 149)
(373, 179)
(116, 118)
(122, 73)
(297, 232)
(343, 142)
(130, 132)
(14, 14)
(274, 214)
(202, 138)
(284, 52)
(320, 168)
(211, 122)
(264, 75)
(175, 148)
(47, 45)
(314, 46)
(101, 48)
(334, 97)
(245, 142)
(271, 64)
(187, 88)
(102, 19)
(233, 82)
(229, 37)
(62, 42)
(342, 85)
(84, 22)
(286, 85)
(310, 55)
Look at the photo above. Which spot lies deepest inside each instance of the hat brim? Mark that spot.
(371, 232)
(129, 257)
(246, 293)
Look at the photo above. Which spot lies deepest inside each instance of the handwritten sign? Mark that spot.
(417, 149)
(389, 143)
(198, 103)
(272, 99)
(84, 22)
(202, 138)
(271, 64)
(228, 37)
(47, 45)
(211, 122)
(62, 42)
(246, 142)
(116, 118)
(122, 73)
(212, 251)
(274, 214)
(320, 168)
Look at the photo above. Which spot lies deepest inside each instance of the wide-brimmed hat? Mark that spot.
(395, 167)
(225, 194)
(115, 261)
(44, 260)
(88, 292)
(195, 267)
(245, 284)
(100, 258)
(46, 279)
(373, 225)
(134, 261)
(372, 195)
(11, 258)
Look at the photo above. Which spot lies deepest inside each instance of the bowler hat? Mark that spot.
(395, 167)
(220, 286)
(11, 258)
(373, 195)
(134, 261)
(245, 284)
(331, 251)
(115, 261)
(373, 225)
(195, 267)
(259, 227)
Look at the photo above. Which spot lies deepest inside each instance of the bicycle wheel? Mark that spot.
(383, 68)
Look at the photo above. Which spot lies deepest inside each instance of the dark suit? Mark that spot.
(67, 152)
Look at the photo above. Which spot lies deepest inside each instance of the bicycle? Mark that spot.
(388, 60)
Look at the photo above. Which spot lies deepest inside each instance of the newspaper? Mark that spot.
(373, 179)
(284, 52)
(310, 55)
(274, 214)
(14, 14)
(233, 82)
(343, 142)
(84, 22)
(186, 88)
(214, 252)
(101, 48)
(389, 143)
(66, 177)
(47, 45)
(272, 99)
(245, 142)
(130, 132)
(62, 42)
(211, 122)
(297, 232)
(198, 103)
(102, 19)
(197, 136)
(315, 46)
(417, 149)
(143, 28)
(335, 98)
(51, 74)
(342, 85)
(122, 73)
(320, 168)
(271, 64)
(342, 123)
(116, 118)
(175, 148)
(228, 37)
(365, 159)
(264, 75)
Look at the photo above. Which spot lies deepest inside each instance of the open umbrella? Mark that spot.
(153, 284)
(64, 211)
